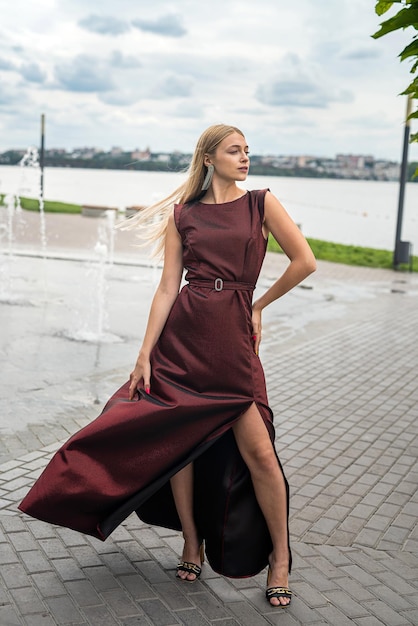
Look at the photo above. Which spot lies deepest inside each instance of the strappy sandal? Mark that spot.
(191, 568)
(277, 592)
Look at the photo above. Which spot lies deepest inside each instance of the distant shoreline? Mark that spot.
(178, 166)
(254, 171)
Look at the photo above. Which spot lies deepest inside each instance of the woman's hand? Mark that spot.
(256, 336)
(141, 371)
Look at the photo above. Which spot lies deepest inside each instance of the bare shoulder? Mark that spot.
(272, 204)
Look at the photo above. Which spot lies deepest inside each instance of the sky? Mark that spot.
(299, 77)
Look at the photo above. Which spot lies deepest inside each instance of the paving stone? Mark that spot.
(8, 616)
(391, 598)
(40, 619)
(118, 564)
(192, 617)
(83, 593)
(101, 578)
(137, 620)
(54, 548)
(133, 551)
(64, 611)
(369, 621)
(27, 600)
(346, 604)
(246, 615)
(35, 561)
(152, 572)
(411, 616)
(7, 554)
(120, 603)
(173, 597)
(385, 613)
(100, 615)
(86, 556)
(334, 616)
(48, 584)
(14, 575)
(224, 590)
(40, 530)
(138, 587)
(68, 569)
(209, 605)
(313, 576)
(157, 613)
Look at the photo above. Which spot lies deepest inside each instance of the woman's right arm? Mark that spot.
(164, 298)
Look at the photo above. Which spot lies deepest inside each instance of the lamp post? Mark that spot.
(402, 248)
(42, 156)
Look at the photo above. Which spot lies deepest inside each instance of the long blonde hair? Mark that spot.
(152, 221)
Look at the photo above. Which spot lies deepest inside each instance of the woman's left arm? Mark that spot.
(302, 261)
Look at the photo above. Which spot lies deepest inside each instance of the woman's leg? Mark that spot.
(257, 451)
(182, 488)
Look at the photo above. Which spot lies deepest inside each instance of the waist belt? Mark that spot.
(218, 284)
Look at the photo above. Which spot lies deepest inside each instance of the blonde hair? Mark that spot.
(152, 221)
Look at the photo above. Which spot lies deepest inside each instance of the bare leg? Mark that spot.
(257, 451)
(182, 487)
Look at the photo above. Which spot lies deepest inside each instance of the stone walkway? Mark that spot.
(341, 361)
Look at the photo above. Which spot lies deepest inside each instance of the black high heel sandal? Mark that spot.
(191, 568)
(277, 592)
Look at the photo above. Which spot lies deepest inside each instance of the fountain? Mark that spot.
(31, 159)
(91, 314)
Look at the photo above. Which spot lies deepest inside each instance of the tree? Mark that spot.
(407, 16)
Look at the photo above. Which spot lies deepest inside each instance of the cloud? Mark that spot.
(300, 84)
(120, 97)
(174, 86)
(33, 73)
(8, 95)
(6, 65)
(118, 59)
(104, 25)
(188, 109)
(83, 74)
(166, 25)
(360, 54)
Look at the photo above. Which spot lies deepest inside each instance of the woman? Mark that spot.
(188, 442)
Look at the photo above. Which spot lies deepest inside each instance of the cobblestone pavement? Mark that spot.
(341, 361)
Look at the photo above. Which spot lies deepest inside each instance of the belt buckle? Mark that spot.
(219, 284)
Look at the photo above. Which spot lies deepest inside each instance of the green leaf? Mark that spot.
(410, 50)
(403, 19)
(414, 67)
(382, 6)
(412, 89)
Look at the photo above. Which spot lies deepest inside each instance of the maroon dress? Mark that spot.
(205, 375)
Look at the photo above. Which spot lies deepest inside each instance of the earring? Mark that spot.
(208, 178)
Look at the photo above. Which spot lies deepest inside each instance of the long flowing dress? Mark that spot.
(205, 375)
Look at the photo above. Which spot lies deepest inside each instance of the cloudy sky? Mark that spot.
(297, 77)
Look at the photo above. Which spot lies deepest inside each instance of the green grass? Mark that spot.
(348, 255)
(50, 206)
(323, 250)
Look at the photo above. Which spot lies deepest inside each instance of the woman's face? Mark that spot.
(231, 161)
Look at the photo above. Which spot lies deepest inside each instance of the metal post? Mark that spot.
(402, 183)
(42, 156)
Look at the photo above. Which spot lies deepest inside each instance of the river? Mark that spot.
(355, 212)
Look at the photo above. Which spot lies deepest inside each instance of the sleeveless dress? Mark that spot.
(205, 375)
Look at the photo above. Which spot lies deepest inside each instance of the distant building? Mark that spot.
(141, 155)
